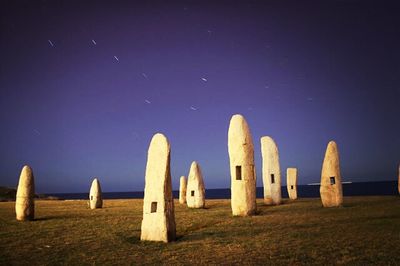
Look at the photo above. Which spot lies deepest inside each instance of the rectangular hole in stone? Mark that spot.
(91, 197)
(332, 178)
(154, 206)
(291, 187)
(192, 193)
(272, 178)
(238, 172)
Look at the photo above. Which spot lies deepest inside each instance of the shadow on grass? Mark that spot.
(46, 218)
(347, 206)
(135, 240)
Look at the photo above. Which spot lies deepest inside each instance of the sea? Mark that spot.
(303, 191)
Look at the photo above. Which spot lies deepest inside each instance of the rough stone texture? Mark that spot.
(182, 190)
(398, 182)
(291, 181)
(243, 173)
(331, 180)
(158, 222)
(195, 192)
(95, 196)
(24, 203)
(271, 171)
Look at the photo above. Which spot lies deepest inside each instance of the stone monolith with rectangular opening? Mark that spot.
(243, 173)
(195, 191)
(331, 180)
(291, 182)
(158, 222)
(271, 171)
(95, 196)
(24, 202)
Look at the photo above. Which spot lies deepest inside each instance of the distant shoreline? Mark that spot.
(9, 194)
(378, 188)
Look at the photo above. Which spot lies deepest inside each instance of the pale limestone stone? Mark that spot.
(24, 203)
(182, 190)
(291, 182)
(271, 171)
(195, 191)
(158, 222)
(243, 173)
(331, 180)
(95, 196)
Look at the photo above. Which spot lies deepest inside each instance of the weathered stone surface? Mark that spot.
(158, 222)
(95, 196)
(243, 173)
(291, 181)
(182, 190)
(331, 180)
(271, 171)
(195, 192)
(398, 182)
(24, 203)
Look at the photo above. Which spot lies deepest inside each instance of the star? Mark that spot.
(204, 79)
(51, 43)
(116, 58)
(193, 108)
(94, 42)
(147, 101)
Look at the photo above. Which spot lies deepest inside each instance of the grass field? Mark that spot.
(365, 231)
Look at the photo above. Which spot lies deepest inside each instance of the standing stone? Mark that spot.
(158, 222)
(182, 190)
(398, 182)
(24, 203)
(271, 172)
(291, 181)
(331, 180)
(243, 173)
(195, 193)
(95, 197)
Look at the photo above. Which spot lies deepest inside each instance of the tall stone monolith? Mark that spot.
(331, 180)
(195, 191)
(24, 202)
(398, 182)
(158, 222)
(271, 171)
(243, 173)
(95, 196)
(182, 190)
(291, 182)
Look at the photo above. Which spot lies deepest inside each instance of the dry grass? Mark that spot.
(365, 231)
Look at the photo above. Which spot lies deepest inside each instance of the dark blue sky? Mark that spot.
(85, 85)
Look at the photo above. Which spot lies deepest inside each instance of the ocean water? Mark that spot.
(303, 191)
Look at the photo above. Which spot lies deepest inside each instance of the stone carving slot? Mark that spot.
(153, 206)
(272, 178)
(332, 178)
(238, 172)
